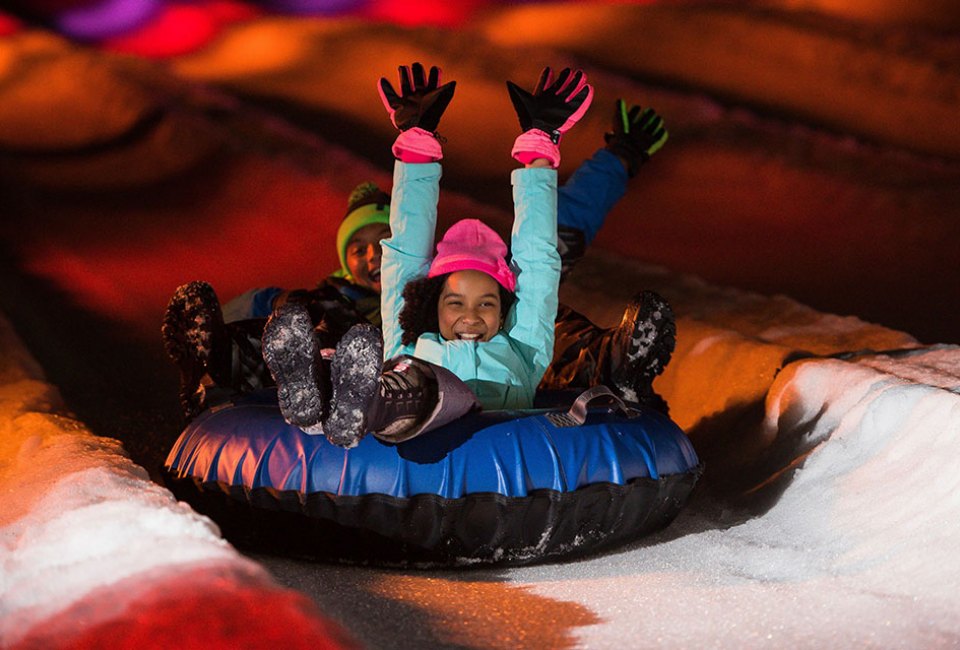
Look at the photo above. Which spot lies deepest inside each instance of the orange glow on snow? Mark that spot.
(262, 47)
(461, 611)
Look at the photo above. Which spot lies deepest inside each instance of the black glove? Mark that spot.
(637, 134)
(555, 105)
(421, 101)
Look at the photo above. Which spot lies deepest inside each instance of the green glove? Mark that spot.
(637, 134)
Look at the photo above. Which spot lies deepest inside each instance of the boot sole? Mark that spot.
(655, 337)
(189, 322)
(356, 369)
(187, 333)
(656, 311)
(292, 353)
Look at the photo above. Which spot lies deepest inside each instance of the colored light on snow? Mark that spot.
(440, 13)
(209, 605)
(233, 239)
(8, 25)
(313, 7)
(105, 19)
(179, 29)
(47, 8)
(457, 608)
(228, 11)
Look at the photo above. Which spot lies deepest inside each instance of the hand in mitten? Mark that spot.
(550, 111)
(416, 111)
(637, 134)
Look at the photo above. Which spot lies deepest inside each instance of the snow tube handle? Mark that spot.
(577, 414)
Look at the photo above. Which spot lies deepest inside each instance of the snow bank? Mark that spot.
(730, 343)
(850, 540)
(84, 530)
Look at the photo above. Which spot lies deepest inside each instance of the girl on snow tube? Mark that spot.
(462, 329)
(218, 351)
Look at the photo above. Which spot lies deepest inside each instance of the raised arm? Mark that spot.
(593, 189)
(416, 112)
(555, 105)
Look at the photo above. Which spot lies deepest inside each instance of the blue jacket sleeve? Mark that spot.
(535, 260)
(255, 303)
(591, 192)
(409, 250)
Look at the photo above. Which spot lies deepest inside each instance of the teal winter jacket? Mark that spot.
(503, 372)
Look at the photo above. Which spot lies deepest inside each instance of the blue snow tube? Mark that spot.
(510, 487)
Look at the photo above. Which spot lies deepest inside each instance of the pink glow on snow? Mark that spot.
(269, 231)
(181, 29)
(435, 13)
(223, 608)
(8, 25)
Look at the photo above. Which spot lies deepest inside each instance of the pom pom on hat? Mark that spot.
(367, 205)
(472, 245)
(364, 194)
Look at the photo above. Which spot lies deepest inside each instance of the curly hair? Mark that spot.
(420, 299)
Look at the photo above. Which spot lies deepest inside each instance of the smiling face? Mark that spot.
(469, 307)
(363, 255)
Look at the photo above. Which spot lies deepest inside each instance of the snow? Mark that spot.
(858, 550)
(80, 519)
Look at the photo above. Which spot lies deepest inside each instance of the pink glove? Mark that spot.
(417, 146)
(534, 144)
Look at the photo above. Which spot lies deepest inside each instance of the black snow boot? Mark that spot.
(194, 337)
(642, 346)
(292, 353)
(356, 367)
(406, 395)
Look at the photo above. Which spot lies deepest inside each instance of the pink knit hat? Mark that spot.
(472, 245)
